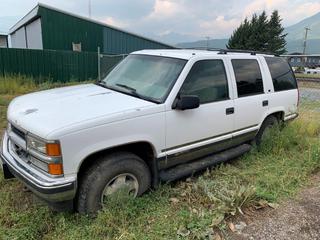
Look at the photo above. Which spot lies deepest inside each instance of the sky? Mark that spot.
(169, 20)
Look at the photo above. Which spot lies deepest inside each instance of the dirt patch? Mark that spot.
(296, 219)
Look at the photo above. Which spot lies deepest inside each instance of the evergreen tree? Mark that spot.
(277, 41)
(259, 34)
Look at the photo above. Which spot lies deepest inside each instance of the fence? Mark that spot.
(58, 66)
(107, 62)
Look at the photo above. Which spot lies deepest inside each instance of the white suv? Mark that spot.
(159, 115)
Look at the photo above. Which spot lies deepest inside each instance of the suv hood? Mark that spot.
(72, 108)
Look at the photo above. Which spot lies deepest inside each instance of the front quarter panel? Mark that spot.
(79, 145)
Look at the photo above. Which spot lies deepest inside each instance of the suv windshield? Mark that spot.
(144, 76)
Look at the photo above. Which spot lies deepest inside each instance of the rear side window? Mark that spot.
(207, 79)
(281, 73)
(248, 77)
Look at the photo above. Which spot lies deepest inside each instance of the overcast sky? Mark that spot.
(194, 18)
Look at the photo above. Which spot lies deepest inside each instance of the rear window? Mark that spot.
(281, 73)
(248, 77)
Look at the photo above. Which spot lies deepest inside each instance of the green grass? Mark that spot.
(192, 207)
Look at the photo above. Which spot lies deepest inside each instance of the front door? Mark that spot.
(198, 132)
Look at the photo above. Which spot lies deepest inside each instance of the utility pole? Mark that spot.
(89, 8)
(208, 38)
(305, 46)
(305, 40)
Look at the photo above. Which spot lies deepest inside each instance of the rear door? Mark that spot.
(284, 96)
(251, 101)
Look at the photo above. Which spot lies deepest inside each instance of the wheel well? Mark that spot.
(142, 149)
(278, 115)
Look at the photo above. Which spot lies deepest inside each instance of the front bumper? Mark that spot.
(48, 188)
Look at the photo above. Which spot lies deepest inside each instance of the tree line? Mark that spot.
(260, 33)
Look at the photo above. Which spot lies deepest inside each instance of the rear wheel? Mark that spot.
(118, 176)
(265, 128)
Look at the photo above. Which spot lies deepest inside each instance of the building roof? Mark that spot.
(32, 14)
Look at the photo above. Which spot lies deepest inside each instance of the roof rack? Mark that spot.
(252, 52)
(226, 51)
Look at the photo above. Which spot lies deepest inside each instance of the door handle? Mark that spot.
(229, 111)
(265, 103)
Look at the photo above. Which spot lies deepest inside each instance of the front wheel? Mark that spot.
(118, 175)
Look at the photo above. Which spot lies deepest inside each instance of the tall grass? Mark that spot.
(19, 84)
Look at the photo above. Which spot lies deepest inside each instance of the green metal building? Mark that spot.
(45, 27)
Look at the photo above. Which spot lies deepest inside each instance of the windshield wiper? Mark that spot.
(101, 84)
(127, 87)
(134, 92)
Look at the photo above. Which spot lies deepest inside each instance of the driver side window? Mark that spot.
(207, 79)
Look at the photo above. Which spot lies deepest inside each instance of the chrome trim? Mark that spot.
(17, 140)
(291, 116)
(23, 143)
(48, 188)
(43, 157)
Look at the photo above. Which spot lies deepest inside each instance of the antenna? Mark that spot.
(89, 8)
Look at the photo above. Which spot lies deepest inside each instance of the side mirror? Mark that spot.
(186, 102)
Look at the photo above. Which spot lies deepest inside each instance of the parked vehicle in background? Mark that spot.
(312, 71)
(159, 115)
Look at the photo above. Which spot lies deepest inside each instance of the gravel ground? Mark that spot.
(312, 94)
(297, 219)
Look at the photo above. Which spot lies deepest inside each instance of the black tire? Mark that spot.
(267, 123)
(104, 170)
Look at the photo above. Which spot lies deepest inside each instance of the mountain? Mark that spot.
(213, 43)
(173, 38)
(294, 38)
(297, 31)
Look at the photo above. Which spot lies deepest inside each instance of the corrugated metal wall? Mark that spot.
(60, 66)
(60, 30)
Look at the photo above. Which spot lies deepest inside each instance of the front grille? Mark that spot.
(18, 132)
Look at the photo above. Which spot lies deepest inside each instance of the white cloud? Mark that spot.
(214, 18)
(114, 22)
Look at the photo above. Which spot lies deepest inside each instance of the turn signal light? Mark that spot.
(53, 149)
(55, 168)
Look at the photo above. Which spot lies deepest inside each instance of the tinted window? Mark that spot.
(281, 73)
(248, 77)
(207, 79)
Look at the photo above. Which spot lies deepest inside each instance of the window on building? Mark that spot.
(207, 79)
(291, 59)
(281, 73)
(248, 77)
(298, 60)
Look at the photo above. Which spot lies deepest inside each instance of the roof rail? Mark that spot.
(226, 51)
(252, 52)
(201, 48)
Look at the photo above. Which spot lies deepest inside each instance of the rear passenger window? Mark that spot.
(207, 79)
(281, 73)
(248, 77)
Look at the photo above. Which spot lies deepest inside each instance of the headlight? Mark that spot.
(50, 149)
(36, 144)
(45, 154)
